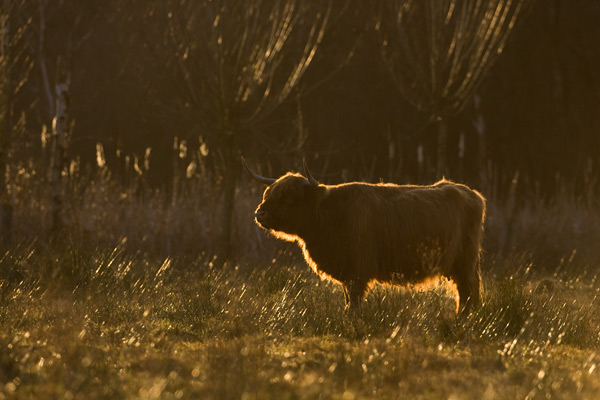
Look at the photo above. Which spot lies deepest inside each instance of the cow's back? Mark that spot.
(398, 233)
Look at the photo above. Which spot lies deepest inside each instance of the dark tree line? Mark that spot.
(402, 91)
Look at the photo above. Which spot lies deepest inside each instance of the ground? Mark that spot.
(106, 324)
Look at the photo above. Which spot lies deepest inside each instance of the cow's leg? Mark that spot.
(353, 294)
(469, 291)
(467, 277)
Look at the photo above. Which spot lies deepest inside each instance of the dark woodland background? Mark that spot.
(162, 97)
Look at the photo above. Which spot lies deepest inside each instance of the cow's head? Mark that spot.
(288, 202)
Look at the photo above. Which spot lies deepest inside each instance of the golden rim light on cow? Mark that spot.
(358, 233)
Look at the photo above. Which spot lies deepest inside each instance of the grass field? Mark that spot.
(88, 323)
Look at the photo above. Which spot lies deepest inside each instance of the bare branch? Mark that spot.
(456, 42)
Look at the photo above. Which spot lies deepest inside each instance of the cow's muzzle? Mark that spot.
(261, 217)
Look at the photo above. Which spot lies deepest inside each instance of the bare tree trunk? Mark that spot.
(479, 124)
(442, 140)
(420, 164)
(395, 159)
(230, 180)
(42, 59)
(461, 156)
(5, 127)
(60, 126)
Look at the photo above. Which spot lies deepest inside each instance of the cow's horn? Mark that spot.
(261, 179)
(309, 176)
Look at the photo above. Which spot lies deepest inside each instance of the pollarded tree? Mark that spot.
(227, 65)
(439, 52)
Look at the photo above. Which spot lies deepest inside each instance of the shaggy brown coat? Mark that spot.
(358, 233)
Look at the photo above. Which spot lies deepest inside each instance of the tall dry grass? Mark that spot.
(551, 233)
(105, 323)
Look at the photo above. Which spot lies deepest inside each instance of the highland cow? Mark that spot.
(359, 233)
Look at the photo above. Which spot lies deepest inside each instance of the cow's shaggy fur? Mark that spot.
(359, 233)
